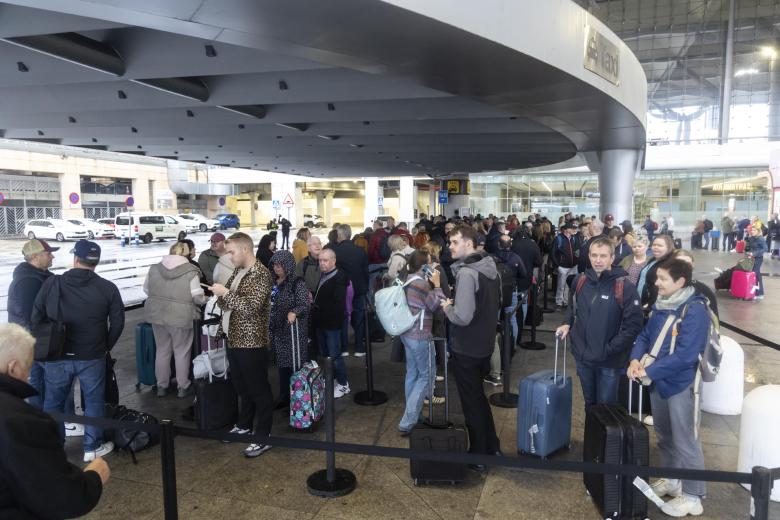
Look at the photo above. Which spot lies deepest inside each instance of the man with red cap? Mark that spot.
(209, 258)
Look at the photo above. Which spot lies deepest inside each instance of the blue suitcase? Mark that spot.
(544, 410)
(145, 354)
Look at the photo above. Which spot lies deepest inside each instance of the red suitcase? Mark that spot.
(743, 284)
(740, 247)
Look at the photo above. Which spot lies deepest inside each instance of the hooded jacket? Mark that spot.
(27, 281)
(36, 479)
(673, 373)
(602, 331)
(474, 314)
(91, 309)
(289, 296)
(174, 290)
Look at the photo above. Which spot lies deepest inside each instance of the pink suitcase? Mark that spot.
(743, 284)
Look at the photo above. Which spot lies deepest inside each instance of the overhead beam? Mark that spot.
(190, 88)
(76, 49)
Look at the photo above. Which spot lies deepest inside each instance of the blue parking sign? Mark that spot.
(444, 197)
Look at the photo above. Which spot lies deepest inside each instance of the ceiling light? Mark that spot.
(134, 129)
(745, 72)
(71, 119)
(283, 85)
(241, 126)
(546, 186)
(190, 113)
(40, 132)
(769, 52)
(94, 139)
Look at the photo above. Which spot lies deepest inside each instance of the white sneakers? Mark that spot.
(340, 390)
(103, 450)
(238, 431)
(74, 430)
(683, 506)
(667, 487)
(648, 420)
(255, 450)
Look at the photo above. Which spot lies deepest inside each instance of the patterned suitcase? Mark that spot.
(743, 284)
(307, 388)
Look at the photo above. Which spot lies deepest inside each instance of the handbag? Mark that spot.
(211, 364)
(649, 359)
(50, 334)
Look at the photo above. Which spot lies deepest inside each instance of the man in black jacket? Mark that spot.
(27, 281)
(86, 302)
(564, 259)
(353, 260)
(604, 318)
(36, 479)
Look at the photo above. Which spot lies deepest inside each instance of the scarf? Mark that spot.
(673, 302)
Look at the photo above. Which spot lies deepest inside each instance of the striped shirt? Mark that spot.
(419, 295)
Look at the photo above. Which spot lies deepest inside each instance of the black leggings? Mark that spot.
(285, 373)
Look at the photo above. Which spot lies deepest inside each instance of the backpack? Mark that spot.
(655, 226)
(709, 360)
(133, 441)
(507, 280)
(384, 246)
(393, 310)
(619, 284)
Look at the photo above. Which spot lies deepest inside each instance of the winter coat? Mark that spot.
(309, 270)
(27, 281)
(622, 250)
(563, 251)
(602, 331)
(756, 246)
(289, 296)
(250, 307)
(397, 262)
(328, 309)
(374, 257)
(223, 270)
(87, 302)
(36, 479)
(727, 225)
(207, 261)
(513, 260)
(353, 260)
(673, 373)
(529, 253)
(174, 292)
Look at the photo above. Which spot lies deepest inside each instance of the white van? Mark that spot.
(149, 226)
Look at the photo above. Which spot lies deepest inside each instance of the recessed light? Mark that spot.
(40, 132)
(139, 147)
(94, 139)
(181, 139)
(134, 129)
(241, 126)
(71, 119)
(190, 113)
(283, 85)
(331, 107)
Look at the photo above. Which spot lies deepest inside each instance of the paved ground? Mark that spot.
(215, 480)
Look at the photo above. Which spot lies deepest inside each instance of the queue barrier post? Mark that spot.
(506, 398)
(330, 482)
(760, 491)
(532, 296)
(168, 458)
(369, 397)
(545, 308)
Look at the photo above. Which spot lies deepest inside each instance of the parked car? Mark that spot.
(313, 221)
(108, 222)
(149, 226)
(54, 228)
(228, 220)
(200, 222)
(94, 229)
(190, 225)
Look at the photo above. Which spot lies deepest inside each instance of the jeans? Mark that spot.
(417, 383)
(707, 240)
(599, 384)
(562, 291)
(36, 381)
(91, 373)
(358, 318)
(285, 240)
(759, 279)
(330, 345)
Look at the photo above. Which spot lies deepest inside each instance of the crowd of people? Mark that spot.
(615, 285)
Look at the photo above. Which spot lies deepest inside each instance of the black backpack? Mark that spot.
(507, 279)
(384, 246)
(130, 440)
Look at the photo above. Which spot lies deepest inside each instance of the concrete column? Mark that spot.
(371, 198)
(406, 200)
(141, 195)
(689, 195)
(253, 208)
(70, 182)
(320, 194)
(328, 213)
(617, 171)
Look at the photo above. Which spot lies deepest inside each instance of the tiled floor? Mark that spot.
(214, 479)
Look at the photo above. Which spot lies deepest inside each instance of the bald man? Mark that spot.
(36, 479)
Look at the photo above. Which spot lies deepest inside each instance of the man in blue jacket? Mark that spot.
(604, 317)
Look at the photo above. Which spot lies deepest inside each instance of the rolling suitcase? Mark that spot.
(743, 284)
(636, 400)
(544, 410)
(145, 354)
(216, 402)
(307, 388)
(429, 436)
(613, 436)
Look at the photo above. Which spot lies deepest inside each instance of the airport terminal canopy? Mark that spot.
(336, 88)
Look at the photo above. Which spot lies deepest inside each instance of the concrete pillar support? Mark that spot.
(371, 197)
(406, 201)
(617, 171)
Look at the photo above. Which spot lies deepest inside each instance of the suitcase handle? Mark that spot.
(555, 365)
(630, 397)
(296, 341)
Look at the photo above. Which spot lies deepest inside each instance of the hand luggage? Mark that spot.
(429, 436)
(145, 354)
(307, 388)
(216, 403)
(613, 436)
(544, 410)
(637, 400)
(740, 247)
(723, 281)
(743, 284)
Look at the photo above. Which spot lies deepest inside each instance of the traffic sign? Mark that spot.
(444, 197)
(380, 200)
(288, 201)
(275, 204)
(74, 198)
(222, 201)
(129, 202)
(2, 197)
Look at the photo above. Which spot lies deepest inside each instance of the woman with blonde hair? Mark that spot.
(300, 248)
(635, 262)
(399, 252)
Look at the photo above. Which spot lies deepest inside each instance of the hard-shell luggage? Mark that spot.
(613, 436)
(430, 436)
(544, 410)
(216, 402)
(145, 354)
(637, 399)
(740, 246)
(677, 243)
(307, 388)
(743, 284)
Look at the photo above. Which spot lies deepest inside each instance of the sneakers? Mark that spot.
(648, 420)
(238, 431)
(495, 381)
(255, 450)
(437, 399)
(340, 390)
(683, 506)
(439, 379)
(345, 354)
(162, 391)
(74, 430)
(185, 392)
(667, 487)
(103, 450)
(359, 354)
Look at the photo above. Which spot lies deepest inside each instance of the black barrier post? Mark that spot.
(545, 309)
(330, 482)
(369, 397)
(505, 398)
(533, 344)
(760, 491)
(168, 469)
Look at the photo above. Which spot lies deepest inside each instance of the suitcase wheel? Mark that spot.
(138, 387)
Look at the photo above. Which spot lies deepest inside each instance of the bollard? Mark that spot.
(122, 239)
(545, 308)
(330, 482)
(168, 469)
(533, 344)
(135, 240)
(369, 397)
(760, 491)
(505, 398)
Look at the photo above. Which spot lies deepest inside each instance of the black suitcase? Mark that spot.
(634, 397)
(216, 404)
(444, 437)
(612, 436)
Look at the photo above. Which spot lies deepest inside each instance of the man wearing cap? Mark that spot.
(91, 309)
(209, 258)
(27, 281)
(609, 223)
